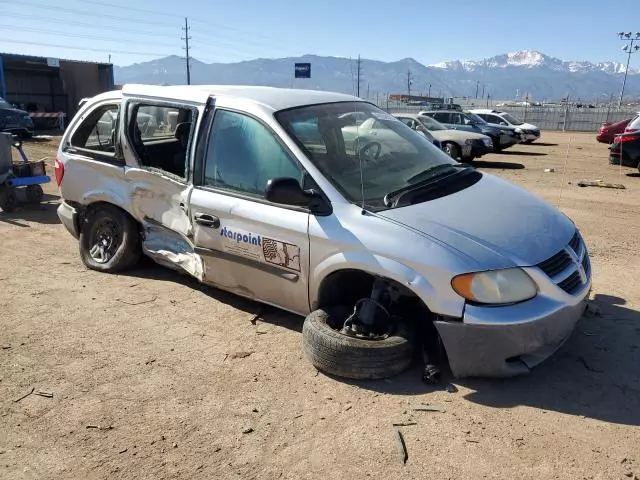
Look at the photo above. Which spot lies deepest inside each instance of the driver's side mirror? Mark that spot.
(287, 191)
(503, 123)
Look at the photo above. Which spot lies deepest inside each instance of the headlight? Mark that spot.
(468, 141)
(488, 142)
(495, 287)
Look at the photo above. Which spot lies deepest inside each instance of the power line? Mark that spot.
(87, 49)
(128, 8)
(186, 39)
(83, 24)
(89, 14)
(73, 35)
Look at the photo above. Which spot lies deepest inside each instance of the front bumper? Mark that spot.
(527, 137)
(69, 218)
(511, 340)
(479, 148)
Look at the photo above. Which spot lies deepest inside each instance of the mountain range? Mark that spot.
(508, 76)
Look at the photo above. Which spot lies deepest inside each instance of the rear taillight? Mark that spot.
(59, 171)
(626, 138)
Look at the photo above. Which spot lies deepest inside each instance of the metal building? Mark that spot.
(40, 84)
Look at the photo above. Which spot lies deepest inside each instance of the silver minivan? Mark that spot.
(387, 245)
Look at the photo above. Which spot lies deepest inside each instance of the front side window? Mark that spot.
(161, 134)
(97, 131)
(370, 160)
(511, 120)
(243, 155)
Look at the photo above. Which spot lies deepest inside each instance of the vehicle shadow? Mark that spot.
(500, 165)
(634, 175)
(43, 212)
(520, 153)
(148, 269)
(542, 144)
(596, 374)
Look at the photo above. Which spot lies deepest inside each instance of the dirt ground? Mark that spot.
(182, 384)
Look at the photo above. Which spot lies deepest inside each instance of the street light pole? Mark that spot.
(630, 48)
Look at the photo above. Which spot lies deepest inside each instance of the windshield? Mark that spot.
(431, 124)
(365, 161)
(475, 118)
(510, 119)
(4, 103)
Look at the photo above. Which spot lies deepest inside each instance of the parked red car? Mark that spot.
(610, 130)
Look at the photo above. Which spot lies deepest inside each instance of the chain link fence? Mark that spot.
(562, 117)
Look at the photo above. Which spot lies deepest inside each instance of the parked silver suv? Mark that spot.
(383, 241)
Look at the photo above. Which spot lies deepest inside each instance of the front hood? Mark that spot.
(528, 126)
(494, 222)
(460, 135)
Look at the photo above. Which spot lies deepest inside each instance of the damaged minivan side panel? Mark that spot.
(157, 148)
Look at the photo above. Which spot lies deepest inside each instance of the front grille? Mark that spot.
(564, 268)
(575, 242)
(571, 283)
(556, 264)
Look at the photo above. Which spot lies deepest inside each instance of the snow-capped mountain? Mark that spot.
(502, 77)
(533, 59)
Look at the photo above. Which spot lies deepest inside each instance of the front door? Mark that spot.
(249, 246)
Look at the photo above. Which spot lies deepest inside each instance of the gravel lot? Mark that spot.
(182, 383)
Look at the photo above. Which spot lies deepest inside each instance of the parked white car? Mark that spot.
(459, 144)
(386, 247)
(527, 131)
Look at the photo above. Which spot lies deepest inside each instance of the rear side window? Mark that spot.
(161, 135)
(442, 117)
(97, 131)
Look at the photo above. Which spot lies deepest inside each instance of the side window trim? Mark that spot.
(97, 155)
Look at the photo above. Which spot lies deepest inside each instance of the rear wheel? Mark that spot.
(34, 193)
(336, 353)
(8, 199)
(452, 150)
(109, 239)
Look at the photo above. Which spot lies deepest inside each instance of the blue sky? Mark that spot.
(232, 30)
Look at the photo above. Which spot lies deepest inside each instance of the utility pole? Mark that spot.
(359, 74)
(368, 91)
(429, 94)
(477, 87)
(629, 48)
(409, 84)
(186, 39)
(109, 58)
(483, 90)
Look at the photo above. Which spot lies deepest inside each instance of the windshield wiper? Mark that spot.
(433, 174)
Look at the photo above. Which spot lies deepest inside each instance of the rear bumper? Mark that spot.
(604, 137)
(489, 342)
(69, 218)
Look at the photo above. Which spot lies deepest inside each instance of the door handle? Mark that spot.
(207, 220)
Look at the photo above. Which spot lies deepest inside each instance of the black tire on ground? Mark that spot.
(452, 150)
(109, 239)
(529, 141)
(337, 354)
(8, 199)
(34, 193)
(496, 144)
